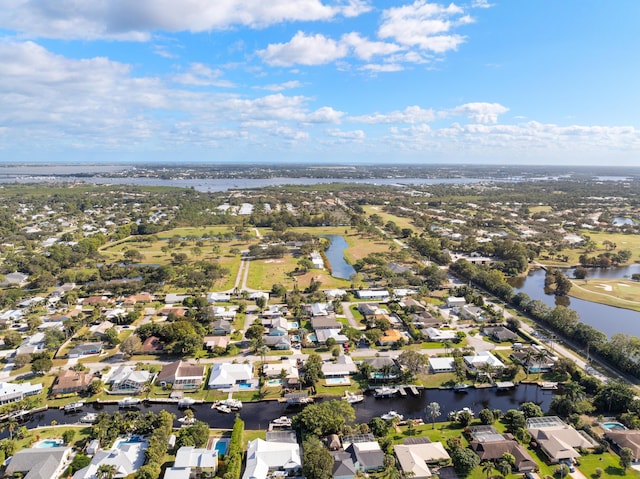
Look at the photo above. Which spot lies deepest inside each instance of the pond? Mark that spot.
(335, 254)
(608, 319)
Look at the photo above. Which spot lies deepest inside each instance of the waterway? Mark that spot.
(335, 254)
(608, 319)
(257, 415)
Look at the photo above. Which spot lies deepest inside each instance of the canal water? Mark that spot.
(257, 415)
(608, 319)
(335, 254)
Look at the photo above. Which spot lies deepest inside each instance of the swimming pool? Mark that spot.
(613, 426)
(293, 325)
(130, 440)
(337, 381)
(221, 447)
(274, 382)
(49, 443)
(245, 386)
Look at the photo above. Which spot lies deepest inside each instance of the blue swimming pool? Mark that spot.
(49, 443)
(221, 447)
(129, 440)
(245, 386)
(337, 381)
(293, 324)
(613, 426)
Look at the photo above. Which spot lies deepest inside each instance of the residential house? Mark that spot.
(85, 349)
(322, 335)
(627, 438)
(226, 375)
(128, 380)
(319, 309)
(139, 298)
(99, 330)
(39, 463)
(325, 322)
(265, 457)
(221, 327)
(181, 375)
(342, 367)
(174, 310)
(192, 463)
(440, 334)
(490, 445)
(472, 313)
(456, 302)
(69, 382)
(500, 333)
(535, 359)
(390, 337)
(365, 452)
(173, 298)
(415, 458)
(32, 344)
(16, 278)
(125, 456)
(378, 295)
(12, 392)
(556, 439)
(152, 345)
(442, 365)
(480, 359)
(212, 342)
(413, 306)
(424, 320)
(316, 259)
(343, 466)
(218, 298)
(289, 366)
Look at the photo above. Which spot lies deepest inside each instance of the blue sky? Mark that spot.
(321, 81)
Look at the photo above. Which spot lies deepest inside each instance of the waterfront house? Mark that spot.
(128, 380)
(415, 458)
(226, 375)
(342, 367)
(343, 466)
(289, 366)
(181, 375)
(365, 452)
(126, 456)
(69, 382)
(12, 392)
(490, 445)
(480, 359)
(442, 365)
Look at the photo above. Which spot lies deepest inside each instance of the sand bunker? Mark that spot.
(624, 285)
(606, 287)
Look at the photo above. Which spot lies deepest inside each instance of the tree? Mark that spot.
(106, 471)
(254, 331)
(530, 409)
(487, 467)
(317, 462)
(68, 435)
(325, 418)
(131, 345)
(413, 361)
(626, 457)
(313, 369)
(504, 467)
(21, 360)
(12, 339)
(464, 461)
(464, 418)
(42, 364)
(433, 411)
(379, 427)
(111, 336)
(486, 416)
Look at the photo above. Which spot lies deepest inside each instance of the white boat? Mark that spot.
(73, 406)
(353, 398)
(385, 392)
(129, 402)
(186, 402)
(392, 415)
(187, 421)
(549, 386)
(232, 403)
(89, 418)
(282, 421)
(223, 408)
(461, 388)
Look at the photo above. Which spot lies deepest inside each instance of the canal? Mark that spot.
(335, 254)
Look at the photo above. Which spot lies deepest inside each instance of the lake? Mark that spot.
(335, 254)
(605, 318)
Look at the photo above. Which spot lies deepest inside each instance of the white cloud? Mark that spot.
(385, 68)
(201, 75)
(366, 49)
(304, 50)
(347, 135)
(134, 20)
(325, 115)
(281, 86)
(411, 114)
(424, 25)
(480, 112)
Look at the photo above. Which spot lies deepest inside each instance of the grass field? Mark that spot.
(622, 241)
(620, 293)
(386, 217)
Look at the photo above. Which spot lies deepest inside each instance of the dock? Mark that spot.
(505, 385)
(402, 392)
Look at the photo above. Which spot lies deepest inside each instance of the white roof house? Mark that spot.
(39, 462)
(126, 456)
(483, 357)
(192, 462)
(455, 302)
(275, 369)
(11, 392)
(264, 457)
(414, 458)
(225, 375)
(323, 334)
(343, 366)
(442, 365)
(440, 334)
(127, 378)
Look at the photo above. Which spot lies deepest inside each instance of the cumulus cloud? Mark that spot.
(480, 112)
(365, 49)
(424, 25)
(201, 75)
(281, 86)
(347, 135)
(325, 115)
(411, 114)
(135, 20)
(304, 50)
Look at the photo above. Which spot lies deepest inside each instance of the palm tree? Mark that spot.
(528, 355)
(487, 468)
(365, 370)
(540, 356)
(106, 471)
(573, 391)
(504, 468)
(433, 411)
(386, 371)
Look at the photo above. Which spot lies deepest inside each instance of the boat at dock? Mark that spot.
(549, 386)
(187, 421)
(353, 398)
(223, 408)
(385, 392)
(129, 402)
(461, 388)
(392, 415)
(234, 404)
(73, 406)
(282, 421)
(186, 402)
